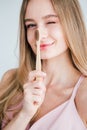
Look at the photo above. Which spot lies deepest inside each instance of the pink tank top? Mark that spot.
(63, 117)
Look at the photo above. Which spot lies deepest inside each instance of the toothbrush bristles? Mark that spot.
(37, 35)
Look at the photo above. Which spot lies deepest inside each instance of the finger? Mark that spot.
(27, 85)
(38, 84)
(33, 74)
(37, 99)
(37, 92)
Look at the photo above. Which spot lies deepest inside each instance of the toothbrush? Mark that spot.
(38, 59)
(38, 64)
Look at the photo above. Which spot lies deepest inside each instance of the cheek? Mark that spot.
(31, 41)
(57, 32)
(58, 35)
(30, 37)
(61, 43)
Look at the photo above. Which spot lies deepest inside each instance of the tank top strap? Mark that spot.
(76, 87)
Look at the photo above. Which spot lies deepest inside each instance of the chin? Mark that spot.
(47, 57)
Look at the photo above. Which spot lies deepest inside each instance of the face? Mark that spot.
(41, 15)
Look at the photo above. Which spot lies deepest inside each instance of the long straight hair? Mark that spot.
(71, 19)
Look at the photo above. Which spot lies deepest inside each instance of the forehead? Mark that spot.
(39, 8)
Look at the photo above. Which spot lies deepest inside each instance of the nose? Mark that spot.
(43, 33)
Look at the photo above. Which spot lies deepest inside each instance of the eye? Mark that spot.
(30, 26)
(52, 22)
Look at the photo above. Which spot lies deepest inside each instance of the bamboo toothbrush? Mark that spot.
(38, 59)
(38, 64)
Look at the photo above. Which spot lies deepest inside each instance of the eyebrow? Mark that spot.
(50, 15)
(45, 17)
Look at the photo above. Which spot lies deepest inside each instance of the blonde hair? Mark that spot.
(71, 19)
(70, 16)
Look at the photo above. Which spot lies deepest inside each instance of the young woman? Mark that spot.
(58, 100)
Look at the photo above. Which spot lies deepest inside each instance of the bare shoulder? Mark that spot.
(81, 99)
(8, 74)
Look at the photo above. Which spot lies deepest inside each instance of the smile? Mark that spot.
(44, 46)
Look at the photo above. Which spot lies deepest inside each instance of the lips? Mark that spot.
(45, 45)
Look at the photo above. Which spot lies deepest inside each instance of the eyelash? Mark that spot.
(31, 26)
(51, 22)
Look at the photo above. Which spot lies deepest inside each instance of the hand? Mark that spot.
(34, 92)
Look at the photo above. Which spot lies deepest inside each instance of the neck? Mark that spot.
(60, 70)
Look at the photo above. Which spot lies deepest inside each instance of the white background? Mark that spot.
(9, 23)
